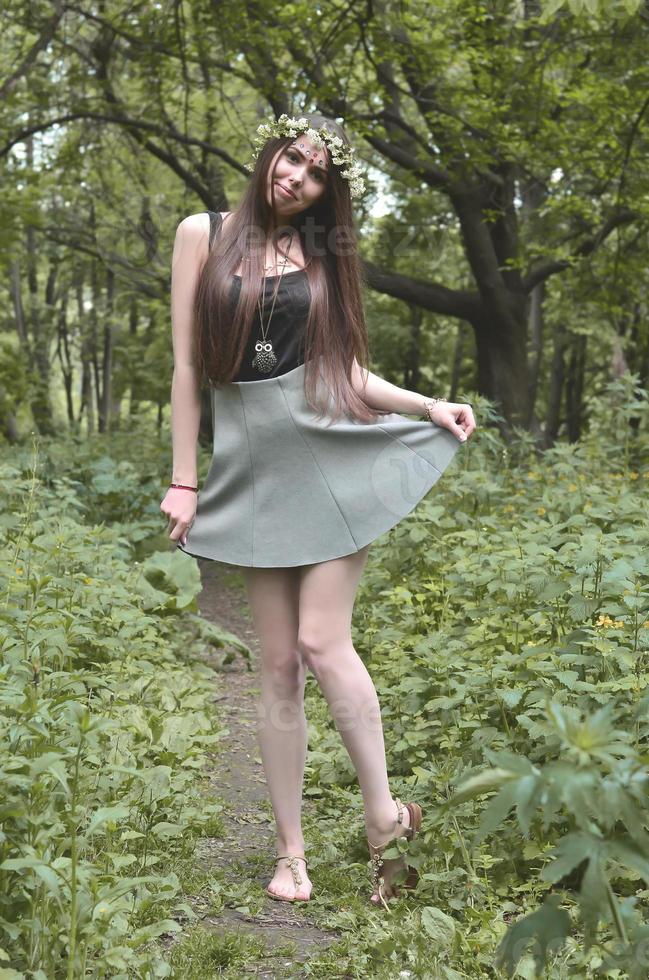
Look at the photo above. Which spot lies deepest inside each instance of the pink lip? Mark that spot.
(287, 191)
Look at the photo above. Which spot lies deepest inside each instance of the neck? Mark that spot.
(279, 222)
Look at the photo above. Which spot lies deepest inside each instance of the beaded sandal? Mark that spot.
(376, 851)
(291, 860)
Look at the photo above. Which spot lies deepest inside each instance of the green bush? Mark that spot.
(506, 626)
(105, 722)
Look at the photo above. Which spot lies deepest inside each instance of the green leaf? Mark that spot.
(550, 7)
(546, 929)
(484, 782)
(627, 853)
(593, 898)
(167, 580)
(439, 926)
(107, 814)
(512, 696)
(529, 790)
(496, 812)
(569, 852)
(167, 829)
(515, 764)
(578, 790)
(146, 933)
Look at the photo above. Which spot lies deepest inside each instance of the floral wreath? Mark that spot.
(341, 152)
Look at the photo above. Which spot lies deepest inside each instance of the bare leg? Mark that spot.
(281, 722)
(326, 600)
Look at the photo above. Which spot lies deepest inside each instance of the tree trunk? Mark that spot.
(105, 418)
(94, 333)
(456, 368)
(639, 357)
(502, 369)
(501, 326)
(10, 427)
(575, 387)
(40, 356)
(134, 401)
(17, 301)
(63, 354)
(87, 399)
(412, 369)
(557, 377)
(535, 331)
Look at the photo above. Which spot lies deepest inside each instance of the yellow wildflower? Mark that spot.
(604, 620)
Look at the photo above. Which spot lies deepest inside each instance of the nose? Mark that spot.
(297, 173)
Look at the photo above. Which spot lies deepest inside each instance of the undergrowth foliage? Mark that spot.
(506, 627)
(105, 722)
(505, 624)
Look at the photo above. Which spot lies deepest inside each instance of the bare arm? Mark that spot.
(189, 254)
(383, 396)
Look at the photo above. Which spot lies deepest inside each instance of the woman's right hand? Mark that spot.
(180, 507)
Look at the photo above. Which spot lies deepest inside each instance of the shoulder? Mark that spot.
(197, 226)
(194, 226)
(193, 232)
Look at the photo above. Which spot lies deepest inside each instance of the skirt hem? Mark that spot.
(314, 561)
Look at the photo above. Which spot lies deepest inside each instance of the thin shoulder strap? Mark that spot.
(215, 225)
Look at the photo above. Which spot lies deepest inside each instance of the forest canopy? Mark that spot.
(502, 229)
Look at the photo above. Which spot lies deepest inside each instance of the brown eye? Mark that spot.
(294, 158)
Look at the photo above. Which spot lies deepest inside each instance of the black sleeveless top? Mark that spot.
(286, 330)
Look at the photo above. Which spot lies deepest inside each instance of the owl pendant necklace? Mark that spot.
(265, 358)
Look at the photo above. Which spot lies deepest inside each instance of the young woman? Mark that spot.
(311, 462)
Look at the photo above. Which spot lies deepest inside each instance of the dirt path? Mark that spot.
(238, 779)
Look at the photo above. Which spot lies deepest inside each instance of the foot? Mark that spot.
(390, 868)
(290, 885)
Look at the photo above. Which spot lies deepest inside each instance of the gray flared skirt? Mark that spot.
(288, 488)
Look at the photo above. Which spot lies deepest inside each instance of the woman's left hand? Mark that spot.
(456, 417)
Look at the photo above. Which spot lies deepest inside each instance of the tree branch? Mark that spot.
(543, 270)
(128, 123)
(434, 176)
(39, 45)
(430, 296)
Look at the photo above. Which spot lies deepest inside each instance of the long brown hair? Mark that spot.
(335, 331)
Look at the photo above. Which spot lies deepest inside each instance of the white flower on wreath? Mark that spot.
(341, 153)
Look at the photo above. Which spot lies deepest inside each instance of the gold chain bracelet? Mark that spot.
(429, 405)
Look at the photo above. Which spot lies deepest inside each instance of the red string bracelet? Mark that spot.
(181, 486)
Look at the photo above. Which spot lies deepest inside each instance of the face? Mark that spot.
(302, 169)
